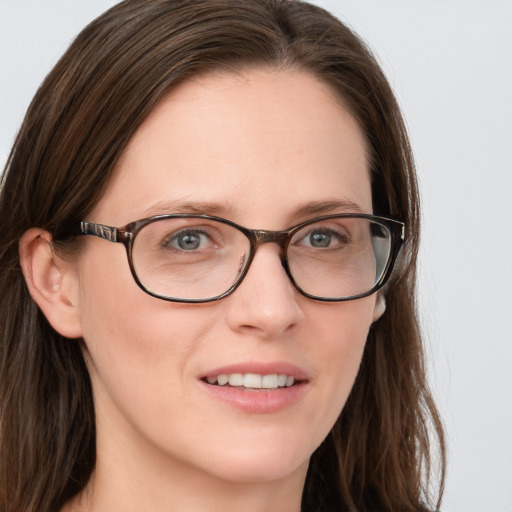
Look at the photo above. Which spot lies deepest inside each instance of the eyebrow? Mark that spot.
(193, 207)
(325, 207)
(218, 209)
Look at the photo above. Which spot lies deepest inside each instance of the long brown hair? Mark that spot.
(377, 457)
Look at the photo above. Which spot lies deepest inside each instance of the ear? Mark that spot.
(380, 307)
(52, 282)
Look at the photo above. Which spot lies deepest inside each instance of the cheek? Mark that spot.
(139, 358)
(137, 347)
(342, 333)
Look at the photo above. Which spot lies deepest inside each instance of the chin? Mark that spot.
(260, 471)
(259, 462)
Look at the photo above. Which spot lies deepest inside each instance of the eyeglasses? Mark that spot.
(199, 258)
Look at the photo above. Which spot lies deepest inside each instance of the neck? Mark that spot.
(188, 492)
(132, 484)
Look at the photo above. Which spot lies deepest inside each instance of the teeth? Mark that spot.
(253, 380)
(236, 379)
(222, 380)
(282, 379)
(269, 381)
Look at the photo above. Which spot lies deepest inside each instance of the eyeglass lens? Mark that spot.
(197, 258)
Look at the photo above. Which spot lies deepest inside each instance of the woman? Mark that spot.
(255, 344)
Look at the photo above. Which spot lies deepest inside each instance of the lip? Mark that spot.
(258, 401)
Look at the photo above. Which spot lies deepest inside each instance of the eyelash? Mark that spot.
(174, 238)
(341, 237)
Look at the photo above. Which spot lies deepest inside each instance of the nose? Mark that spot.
(266, 304)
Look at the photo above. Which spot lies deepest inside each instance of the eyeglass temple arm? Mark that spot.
(106, 232)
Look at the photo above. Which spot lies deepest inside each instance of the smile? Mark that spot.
(252, 380)
(255, 387)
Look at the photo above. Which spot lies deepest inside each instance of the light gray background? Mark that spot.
(450, 64)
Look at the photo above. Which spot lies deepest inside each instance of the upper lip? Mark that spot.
(259, 368)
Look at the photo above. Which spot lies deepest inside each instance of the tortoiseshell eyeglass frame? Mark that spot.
(126, 235)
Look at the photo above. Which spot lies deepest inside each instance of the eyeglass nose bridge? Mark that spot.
(262, 236)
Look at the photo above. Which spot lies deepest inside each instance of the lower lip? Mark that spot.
(257, 401)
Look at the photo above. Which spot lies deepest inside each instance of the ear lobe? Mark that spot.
(48, 280)
(380, 307)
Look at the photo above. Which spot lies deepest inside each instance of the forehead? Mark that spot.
(261, 141)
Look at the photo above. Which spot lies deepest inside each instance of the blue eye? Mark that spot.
(323, 239)
(320, 238)
(189, 240)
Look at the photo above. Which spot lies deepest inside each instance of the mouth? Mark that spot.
(255, 387)
(252, 381)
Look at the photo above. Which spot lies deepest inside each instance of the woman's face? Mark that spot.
(266, 150)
